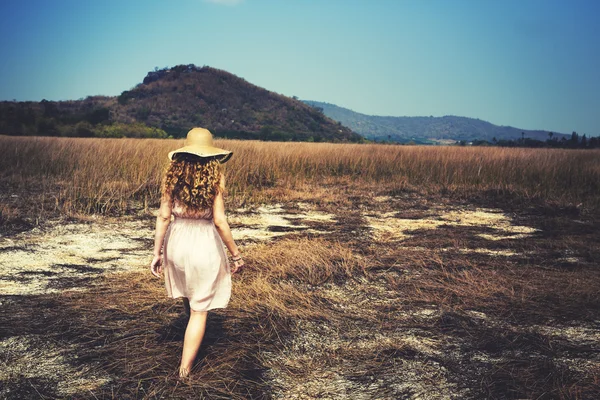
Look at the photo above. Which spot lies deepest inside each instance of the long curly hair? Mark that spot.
(192, 181)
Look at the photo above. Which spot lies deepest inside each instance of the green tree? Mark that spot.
(574, 140)
(84, 129)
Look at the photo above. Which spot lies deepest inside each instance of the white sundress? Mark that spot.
(195, 262)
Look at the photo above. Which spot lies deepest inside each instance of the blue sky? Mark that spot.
(532, 64)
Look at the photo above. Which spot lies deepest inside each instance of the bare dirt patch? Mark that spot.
(390, 226)
(47, 366)
(269, 221)
(46, 260)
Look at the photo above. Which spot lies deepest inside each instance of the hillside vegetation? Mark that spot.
(170, 102)
(425, 129)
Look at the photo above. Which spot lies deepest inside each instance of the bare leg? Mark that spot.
(191, 342)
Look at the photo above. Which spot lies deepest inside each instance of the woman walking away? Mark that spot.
(194, 262)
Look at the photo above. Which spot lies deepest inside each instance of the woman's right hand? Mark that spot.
(156, 266)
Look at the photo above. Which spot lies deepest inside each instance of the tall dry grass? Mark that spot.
(78, 175)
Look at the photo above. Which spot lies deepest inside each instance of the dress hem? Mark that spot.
(207, 309)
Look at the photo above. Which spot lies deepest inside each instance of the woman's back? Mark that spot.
(179, 211)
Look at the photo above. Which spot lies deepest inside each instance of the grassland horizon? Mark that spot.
(70, 176)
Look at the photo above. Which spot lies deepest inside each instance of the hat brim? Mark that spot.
(204, 151)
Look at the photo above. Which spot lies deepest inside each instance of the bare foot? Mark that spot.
(184, 372)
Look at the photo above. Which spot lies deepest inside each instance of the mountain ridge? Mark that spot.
(425, 129)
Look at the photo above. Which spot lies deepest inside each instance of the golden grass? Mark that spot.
(116, 176)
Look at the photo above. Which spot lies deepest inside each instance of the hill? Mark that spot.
(425, 129)
(171, 101)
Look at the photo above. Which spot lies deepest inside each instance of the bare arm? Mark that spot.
(222, 226)
(162, 222)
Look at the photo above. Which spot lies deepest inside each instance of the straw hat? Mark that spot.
(199, 142)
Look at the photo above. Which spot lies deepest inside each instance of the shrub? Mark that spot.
(136, 130)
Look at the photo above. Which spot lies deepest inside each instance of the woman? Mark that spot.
(195, 264)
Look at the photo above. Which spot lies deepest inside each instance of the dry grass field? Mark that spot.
(375, 272)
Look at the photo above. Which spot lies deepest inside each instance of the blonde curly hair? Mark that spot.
(192, 181)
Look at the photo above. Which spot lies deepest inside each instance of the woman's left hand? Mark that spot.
(156, 266)
(237, 265)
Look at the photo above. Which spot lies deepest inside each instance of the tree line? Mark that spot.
(576, 141)
(69, 120)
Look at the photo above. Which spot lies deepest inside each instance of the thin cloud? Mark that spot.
(225, 2)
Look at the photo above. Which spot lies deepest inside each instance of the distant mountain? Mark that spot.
(425, 129)
(174, 100)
